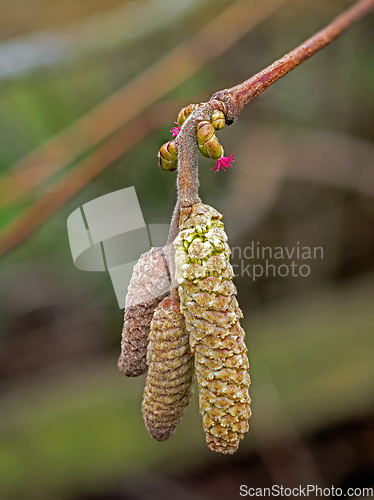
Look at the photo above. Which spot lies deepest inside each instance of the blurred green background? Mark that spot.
(70, 423)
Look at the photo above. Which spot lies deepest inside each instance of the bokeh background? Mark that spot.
(88, 93)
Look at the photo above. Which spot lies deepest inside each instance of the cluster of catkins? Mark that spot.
(193, 332)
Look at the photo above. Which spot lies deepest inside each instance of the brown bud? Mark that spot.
(217, 119)
(170, 376)
(169, 151)
(148, 286)
(172, 149)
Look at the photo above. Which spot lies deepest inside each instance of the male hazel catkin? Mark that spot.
(168, 388)
(212, 314)
(149, 284)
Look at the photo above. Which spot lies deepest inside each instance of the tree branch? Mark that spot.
(232, 101)
(120, 108)
(239, 96)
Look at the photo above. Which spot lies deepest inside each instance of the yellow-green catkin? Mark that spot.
(212, 314)
(170, 376)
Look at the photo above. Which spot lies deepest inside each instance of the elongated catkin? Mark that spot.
(149, 284)
(212, 315)
(170, 375)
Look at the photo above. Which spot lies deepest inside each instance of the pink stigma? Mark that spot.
(175, 130)
(224, 162)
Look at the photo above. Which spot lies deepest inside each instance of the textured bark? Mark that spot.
(149, 284)
(212, 316)
(169, 382)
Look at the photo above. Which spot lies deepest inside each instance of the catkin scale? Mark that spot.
(212, 314)
(149, 284)
(170, 375)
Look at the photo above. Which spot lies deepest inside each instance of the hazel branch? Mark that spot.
(232, 101)
(220, 33)
(239, 96)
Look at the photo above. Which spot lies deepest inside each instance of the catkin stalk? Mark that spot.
(170, 375)
(212, 314)
(149, 284)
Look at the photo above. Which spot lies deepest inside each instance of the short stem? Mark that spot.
(188, 163)
(188, 172)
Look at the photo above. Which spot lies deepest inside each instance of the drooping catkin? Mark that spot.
(212, 314)
(170, 375)
(150, 283)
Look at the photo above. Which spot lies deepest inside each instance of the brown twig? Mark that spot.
(233, 100)
(188, 173)
(188, 165)
(239, 96)
(144, 90)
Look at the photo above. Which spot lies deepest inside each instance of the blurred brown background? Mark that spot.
(72, 128)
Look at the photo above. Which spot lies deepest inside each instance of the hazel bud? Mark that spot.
(169, 150)
(185, 113)
(214, 148)
(168, 165)
(205, 131)
(168, 156)
(172, 148)
(217, 119)
(203, 150)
